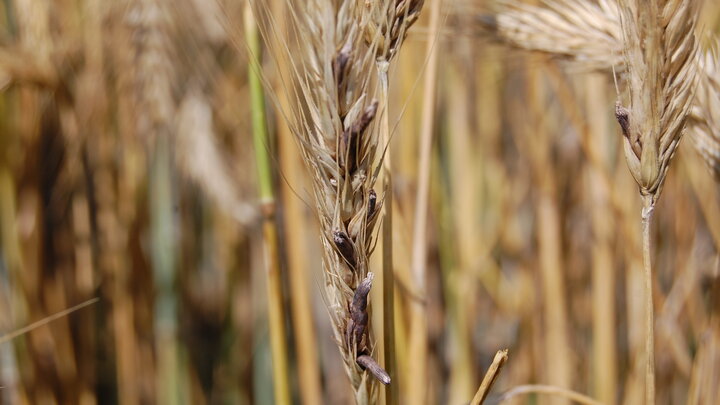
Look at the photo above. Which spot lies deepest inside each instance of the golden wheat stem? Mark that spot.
(388, 276)
(418, 336)
(648, 208)
(492, 373)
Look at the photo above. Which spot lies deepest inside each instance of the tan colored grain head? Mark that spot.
(660, 59)
(704, 121)
(585, 33)
(588, 35)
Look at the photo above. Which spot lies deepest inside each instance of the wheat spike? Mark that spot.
(660, 59)
(704, 121)
(331, 89)
(586, 34)
(583, 32)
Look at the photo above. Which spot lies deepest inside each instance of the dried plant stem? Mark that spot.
(164, 250)
(493, 371)
(418, 321)
(21, 331)
(274, 283)
(388, 275)
(647, 212)
(298, 274)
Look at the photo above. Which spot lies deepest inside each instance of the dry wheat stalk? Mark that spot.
(332, 116)
(586, 34)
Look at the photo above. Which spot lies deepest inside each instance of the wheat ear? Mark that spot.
(704, 121)
(385, 28)
(586, 35)
(660, 60)
(331, 90)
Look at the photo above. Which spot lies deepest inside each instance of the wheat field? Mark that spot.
(359, 202)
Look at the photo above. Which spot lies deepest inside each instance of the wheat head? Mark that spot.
(587, 35)
(660, 59)
(331, 89)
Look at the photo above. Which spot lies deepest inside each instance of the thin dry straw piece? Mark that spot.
(490, 376)
(330, 88)
(587, 35)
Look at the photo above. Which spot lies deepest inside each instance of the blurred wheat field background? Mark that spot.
(135, 171)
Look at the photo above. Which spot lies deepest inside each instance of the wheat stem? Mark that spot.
(548, 390)
(388, 276)
(418, 336)
(648, 208)
(493, 371)
(274, 283)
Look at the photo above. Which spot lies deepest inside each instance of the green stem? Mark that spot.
(163, 261)
(265, 186)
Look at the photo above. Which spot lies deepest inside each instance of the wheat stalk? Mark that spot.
(385, 27)
(587, 35)
(331, 88)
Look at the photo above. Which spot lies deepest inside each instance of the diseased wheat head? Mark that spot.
(331, 89)
(660, 60)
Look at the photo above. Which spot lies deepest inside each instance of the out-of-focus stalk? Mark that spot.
(163, 260)
(418, 319)
(267, 198)
(296, 223)
(388, 275)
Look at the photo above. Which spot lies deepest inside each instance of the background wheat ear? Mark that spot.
(704, 120)
(585, 34)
